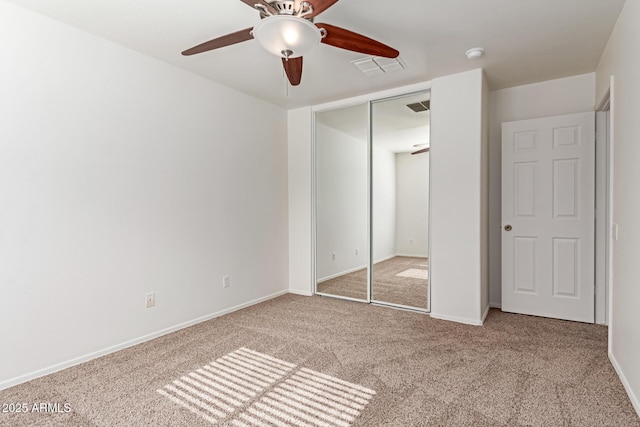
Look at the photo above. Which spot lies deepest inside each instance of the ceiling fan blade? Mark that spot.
(229, 39)
(253, 4)
(319, 6)
(345, 39)
(293, 68)
(424, 150)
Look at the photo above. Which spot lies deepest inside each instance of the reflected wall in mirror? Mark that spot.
(341, 153)
(400, 200)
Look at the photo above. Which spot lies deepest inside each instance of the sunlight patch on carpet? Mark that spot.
(414, 273)
(248, 388)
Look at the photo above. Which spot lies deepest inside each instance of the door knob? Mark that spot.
(508, 227)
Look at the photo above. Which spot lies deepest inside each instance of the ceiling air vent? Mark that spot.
(420, 106)
(377, 65)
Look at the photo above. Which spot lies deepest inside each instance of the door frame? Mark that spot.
(603, 261)
(607, 104)
(603, 209)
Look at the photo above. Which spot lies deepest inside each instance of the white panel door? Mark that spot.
(548, 176)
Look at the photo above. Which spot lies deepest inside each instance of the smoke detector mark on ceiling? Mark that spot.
(376, 66)
(420, 106)
(475, 53)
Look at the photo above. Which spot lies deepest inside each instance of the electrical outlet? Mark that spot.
(411, 242)
(226, 281)
(150, 300)
(357, 252)
(333, 256)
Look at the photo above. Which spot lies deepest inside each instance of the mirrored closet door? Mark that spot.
(341, 187)
(400, 201)
(372, 201)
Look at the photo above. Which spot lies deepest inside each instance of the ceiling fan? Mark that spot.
(286, 29)
(421, 150)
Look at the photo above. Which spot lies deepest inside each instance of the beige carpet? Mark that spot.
(399, 280)
(297, 361)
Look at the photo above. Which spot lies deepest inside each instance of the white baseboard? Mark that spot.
(464, 320)
(78, 360)
(412, 255)
(486, 313)
(342, 273)
(632, 397)
(495, 305)
(302, 293)
(385, 258)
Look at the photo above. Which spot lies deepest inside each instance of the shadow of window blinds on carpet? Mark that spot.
(248, 388)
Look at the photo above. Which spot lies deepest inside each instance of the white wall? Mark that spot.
(555, 97)
(412, 205)
(121, 175)
(341, 202)
(383, 204)
(619, 60)
(485, 253)
(457, 265)
(300, 201)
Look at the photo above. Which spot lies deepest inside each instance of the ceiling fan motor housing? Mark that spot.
(285, 7)
(288, 7)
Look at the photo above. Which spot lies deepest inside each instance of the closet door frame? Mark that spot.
(350, 102)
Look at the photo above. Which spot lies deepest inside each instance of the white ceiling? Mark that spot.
(395, 127)
(526, 40)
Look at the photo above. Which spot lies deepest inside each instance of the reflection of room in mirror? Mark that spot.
(402, 281)
(399, 280)
(341, 200)
(399, 201)
(415, 273)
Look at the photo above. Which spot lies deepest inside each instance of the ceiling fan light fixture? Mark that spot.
(290, 34)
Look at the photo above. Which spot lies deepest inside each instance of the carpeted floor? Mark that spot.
(399, 280)
(321, 361)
